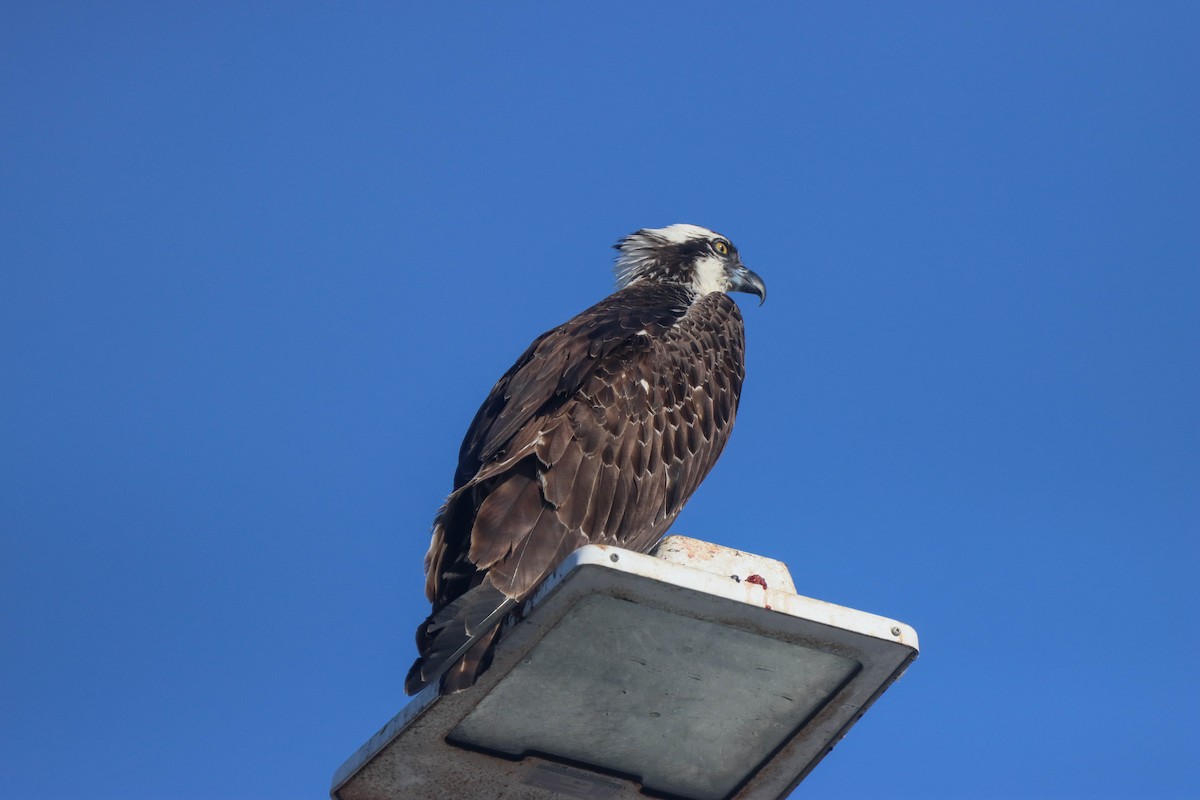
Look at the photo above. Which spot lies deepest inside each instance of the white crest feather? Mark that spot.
(639, 251)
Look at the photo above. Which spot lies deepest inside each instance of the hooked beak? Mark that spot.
(744, 279)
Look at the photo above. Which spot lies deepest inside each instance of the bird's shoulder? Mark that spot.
(557, 363)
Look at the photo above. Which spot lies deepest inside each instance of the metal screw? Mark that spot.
(895, 631)
(614, 558)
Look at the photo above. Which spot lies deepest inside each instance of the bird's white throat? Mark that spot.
(710, 276)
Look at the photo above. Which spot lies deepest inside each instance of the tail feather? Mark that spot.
(464, 672)
(458, 639)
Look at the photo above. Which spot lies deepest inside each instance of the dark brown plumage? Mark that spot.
(600, 432)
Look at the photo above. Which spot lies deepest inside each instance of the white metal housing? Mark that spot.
(698, 674)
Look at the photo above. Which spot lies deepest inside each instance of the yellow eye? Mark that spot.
(721, 246)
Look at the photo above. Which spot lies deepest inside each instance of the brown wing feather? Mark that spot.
(600, 433)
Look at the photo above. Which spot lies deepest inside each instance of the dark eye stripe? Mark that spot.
(696, 247)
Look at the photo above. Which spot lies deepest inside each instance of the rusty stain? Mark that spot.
(694, 548)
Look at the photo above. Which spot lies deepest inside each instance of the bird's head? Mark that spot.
(687, 255)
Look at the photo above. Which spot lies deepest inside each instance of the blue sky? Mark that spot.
(261, 262)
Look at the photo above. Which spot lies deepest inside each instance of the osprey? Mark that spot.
(599, 433)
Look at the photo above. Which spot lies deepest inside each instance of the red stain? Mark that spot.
(759, 579)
